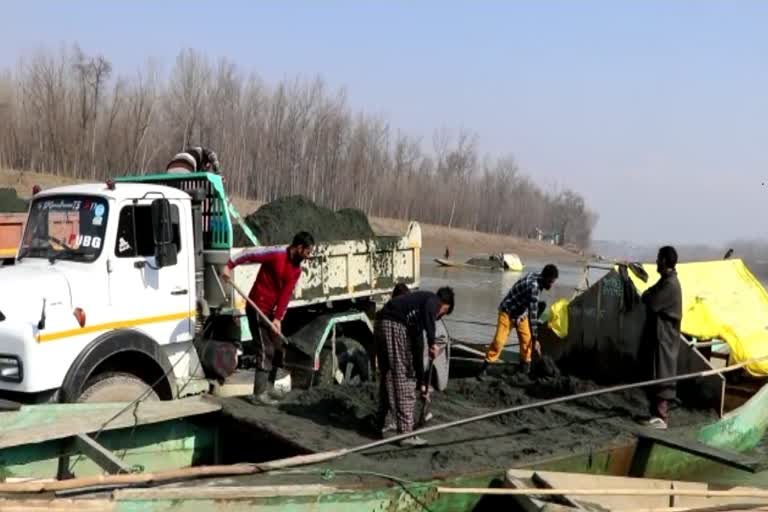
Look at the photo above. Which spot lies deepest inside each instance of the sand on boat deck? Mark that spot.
(329, 418)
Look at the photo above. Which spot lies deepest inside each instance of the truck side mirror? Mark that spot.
(162, 232)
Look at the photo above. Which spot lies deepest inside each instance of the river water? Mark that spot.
(478, 293)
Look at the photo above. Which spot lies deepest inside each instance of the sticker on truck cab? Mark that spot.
(93, 242)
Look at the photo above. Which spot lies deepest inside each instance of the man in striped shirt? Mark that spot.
(271, 292)
(521, 306)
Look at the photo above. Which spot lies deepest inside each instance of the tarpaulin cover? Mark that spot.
(721, 300)
(558, 318)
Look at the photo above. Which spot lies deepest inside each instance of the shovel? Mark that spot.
(425, 407)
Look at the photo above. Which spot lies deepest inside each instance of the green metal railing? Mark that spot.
(216, 211)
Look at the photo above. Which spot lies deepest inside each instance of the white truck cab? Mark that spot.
(115, 294)
(86, 269)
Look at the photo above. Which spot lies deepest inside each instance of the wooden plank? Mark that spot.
(530, 503)
(41, 423)
(564, 480)
(58, 504)
(231, 492)
(542, 482)
(735, 460)
(100, 455)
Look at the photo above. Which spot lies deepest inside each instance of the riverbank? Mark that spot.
(462, 243)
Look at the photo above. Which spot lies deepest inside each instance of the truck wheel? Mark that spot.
(354, 363)
(116, 387)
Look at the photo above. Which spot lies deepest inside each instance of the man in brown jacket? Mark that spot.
(664, 305)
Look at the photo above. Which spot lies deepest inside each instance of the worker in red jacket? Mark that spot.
(271, 292)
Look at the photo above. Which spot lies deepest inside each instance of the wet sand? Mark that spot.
(341, 417)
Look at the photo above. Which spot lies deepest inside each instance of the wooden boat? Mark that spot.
(504, 261)
(154, 440)
(622, 494)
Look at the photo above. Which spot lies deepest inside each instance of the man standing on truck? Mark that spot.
(664, 305)
(194, 159)
(271, 292)
(399, 338)
(521, 306)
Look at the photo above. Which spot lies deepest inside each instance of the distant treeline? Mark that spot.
(68, 114)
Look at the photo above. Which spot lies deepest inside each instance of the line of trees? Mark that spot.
(67, 113)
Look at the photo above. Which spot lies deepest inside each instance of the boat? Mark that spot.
(616, 493)
(157, 456)
(502, 261)
(209, 453)
(724, 307)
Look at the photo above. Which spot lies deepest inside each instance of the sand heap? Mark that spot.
(10, 202)
(275, 223)
(332, 417)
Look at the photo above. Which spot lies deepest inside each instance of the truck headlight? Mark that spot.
(10, 368)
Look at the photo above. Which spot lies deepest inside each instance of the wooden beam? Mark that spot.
(41, 423)
(105, 459)
(647, 438)
(541, 482)
(57, 504)
(231, 492)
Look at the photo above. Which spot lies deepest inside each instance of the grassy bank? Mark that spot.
(461, 242)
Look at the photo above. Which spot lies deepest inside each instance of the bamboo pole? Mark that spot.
(471, 322)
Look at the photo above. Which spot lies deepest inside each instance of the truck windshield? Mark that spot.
(66, 227)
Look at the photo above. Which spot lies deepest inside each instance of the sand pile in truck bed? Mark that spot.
(325, 418)
(10, 202)
(275, 223)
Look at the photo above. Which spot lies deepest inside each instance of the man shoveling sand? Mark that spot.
(398, 334)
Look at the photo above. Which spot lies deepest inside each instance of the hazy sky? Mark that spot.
(655, 111)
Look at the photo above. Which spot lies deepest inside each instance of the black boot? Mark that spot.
(261, 389)
(483, 373)
(525, 368)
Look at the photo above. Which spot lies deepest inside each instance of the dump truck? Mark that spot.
(116, 293)
(11, 226)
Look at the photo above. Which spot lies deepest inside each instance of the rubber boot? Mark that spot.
(483, 373)
(261, 389)
(271, 391)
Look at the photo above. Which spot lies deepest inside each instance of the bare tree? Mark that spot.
(65, 113)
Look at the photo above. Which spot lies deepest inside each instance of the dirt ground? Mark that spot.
(328, 418)
(461, 242)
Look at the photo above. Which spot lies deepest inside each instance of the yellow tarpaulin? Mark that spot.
(558, 319)
(721, 299)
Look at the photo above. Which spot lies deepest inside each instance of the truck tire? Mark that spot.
(116, 387)
(354, 363)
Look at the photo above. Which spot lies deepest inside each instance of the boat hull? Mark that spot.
(738, 431)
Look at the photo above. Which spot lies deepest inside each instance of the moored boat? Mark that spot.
(161, 437)
(502, 261)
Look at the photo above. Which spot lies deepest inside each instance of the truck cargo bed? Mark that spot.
(341, 270)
